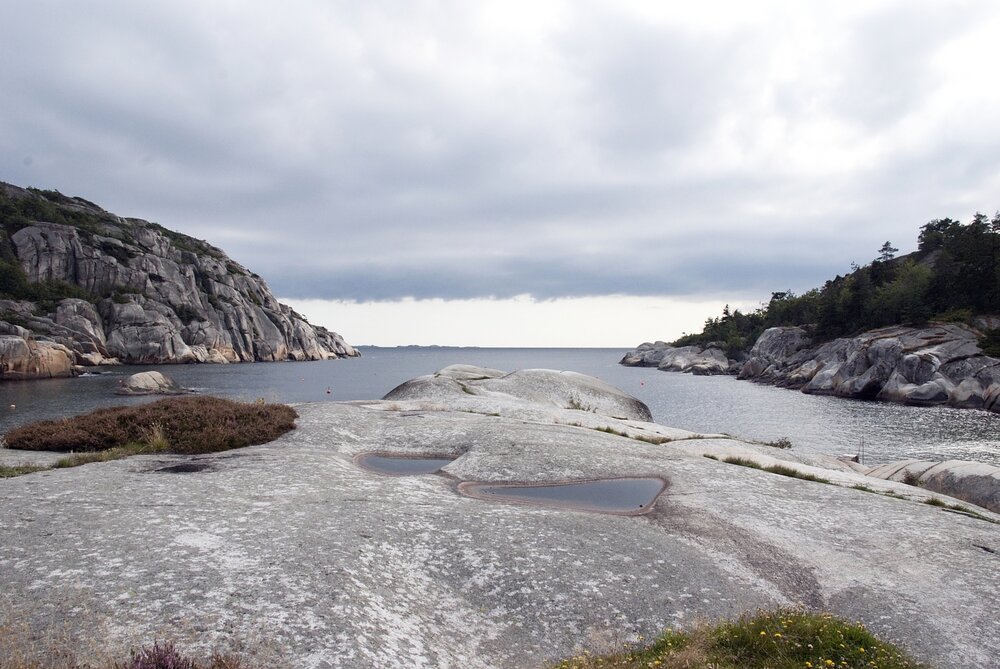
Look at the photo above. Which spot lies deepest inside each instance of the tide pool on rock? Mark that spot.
(628, 496)
(292, 543)
(401, 465)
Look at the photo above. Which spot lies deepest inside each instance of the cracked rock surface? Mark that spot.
(292, 545)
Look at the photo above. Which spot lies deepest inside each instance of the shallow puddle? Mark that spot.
(402, 465)
(628, 496)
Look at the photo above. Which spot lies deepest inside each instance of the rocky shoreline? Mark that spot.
(153, 297)
(941, 364)
(294, 545)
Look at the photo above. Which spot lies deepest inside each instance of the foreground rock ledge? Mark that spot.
(290, 545)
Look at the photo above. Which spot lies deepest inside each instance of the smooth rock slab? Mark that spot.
(975, 482)
(293, 545)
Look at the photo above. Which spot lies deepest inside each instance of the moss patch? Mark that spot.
(780, 639)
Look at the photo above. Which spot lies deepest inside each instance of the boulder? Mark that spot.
(568, 390)
(974, 482)
(23, 357)
(149, 383)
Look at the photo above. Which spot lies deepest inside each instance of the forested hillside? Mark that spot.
(953, 275)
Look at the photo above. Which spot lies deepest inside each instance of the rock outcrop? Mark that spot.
(974, 482)
(700, 360)
(338, 566)
(149, 383)
(22, 357)
(134, 292)
(934, 365)
(938, 364)
(568, 390)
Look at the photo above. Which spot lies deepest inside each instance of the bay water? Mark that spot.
(704, 404)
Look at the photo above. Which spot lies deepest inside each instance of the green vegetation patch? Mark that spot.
(954, 274)
(174, 425)
(655, 440)
(781, 639)
(7, 472)
(957, 508)
(790, 472)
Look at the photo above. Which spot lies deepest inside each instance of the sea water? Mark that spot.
(701, 404)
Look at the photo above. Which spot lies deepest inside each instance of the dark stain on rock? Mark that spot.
(770, 562)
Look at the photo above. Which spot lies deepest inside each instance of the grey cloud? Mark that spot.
(369, 175)
(886, 69)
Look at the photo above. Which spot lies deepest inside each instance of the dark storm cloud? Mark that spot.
(437, 150)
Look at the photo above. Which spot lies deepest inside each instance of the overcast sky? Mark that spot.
(464, 154)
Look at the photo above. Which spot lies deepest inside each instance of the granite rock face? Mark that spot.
(336, 566)
(699, 360)
(158, 296)
(974, 482)
(569, 390)
(771, 350)
(22, 357)
(934, 365)
(149, 383)
(938, 364)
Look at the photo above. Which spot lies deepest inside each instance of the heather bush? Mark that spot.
(157, 656)
(176, 425)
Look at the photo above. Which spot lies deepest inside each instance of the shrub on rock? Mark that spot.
(188, 424)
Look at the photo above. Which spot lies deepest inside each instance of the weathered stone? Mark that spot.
(149, 383)
(568, 390)
(938, 364)
(974, 482)
(772, 351)
(24, 358)
(337, 566)
(176, 299)
(698, 360)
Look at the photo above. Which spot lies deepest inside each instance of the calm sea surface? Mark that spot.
(697, 403)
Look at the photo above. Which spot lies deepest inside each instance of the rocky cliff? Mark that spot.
(114, 290)
(938, 364)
